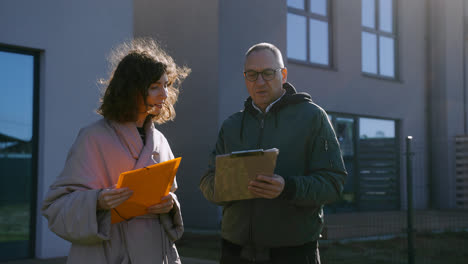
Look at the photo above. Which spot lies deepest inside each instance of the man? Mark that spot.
(283, 224)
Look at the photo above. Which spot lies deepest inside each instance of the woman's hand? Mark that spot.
(164, 207)
(110, 198)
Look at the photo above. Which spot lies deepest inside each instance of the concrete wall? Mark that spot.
(242, 24)
(447, 95)
(75, 37)
(189, 31)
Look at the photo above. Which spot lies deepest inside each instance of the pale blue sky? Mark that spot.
(16, 94)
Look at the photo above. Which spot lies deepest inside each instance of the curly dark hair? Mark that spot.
(136, 65)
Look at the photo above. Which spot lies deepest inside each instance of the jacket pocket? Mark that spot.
(330, 154)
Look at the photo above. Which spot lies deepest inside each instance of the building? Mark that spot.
(383, 69)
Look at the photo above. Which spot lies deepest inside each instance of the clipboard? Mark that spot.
(234, 171)
(149, 185)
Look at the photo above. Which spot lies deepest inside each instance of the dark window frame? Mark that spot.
(393, 35)
(36, 54)
(309, 15)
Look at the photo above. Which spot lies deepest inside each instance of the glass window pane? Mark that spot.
(318, 7)
(387, 56)
(16, 102)
(296, 4)
(376, 128)
(318, 41)
(385, 15)
(296, 37)
(369, 53)
(16, 109)
(368, 13)
(345, 133)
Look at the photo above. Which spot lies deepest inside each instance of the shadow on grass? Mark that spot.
(202, 246)
(451, 247)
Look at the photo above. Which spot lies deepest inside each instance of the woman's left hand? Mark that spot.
(164, 207)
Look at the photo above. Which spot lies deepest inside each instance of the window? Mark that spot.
(18, 151)
(370, 149)
(308, 32)
(378, 38)
(376, 128)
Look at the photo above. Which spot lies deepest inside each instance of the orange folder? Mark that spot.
(149, 185)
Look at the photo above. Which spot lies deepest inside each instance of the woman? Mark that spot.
(141, 90)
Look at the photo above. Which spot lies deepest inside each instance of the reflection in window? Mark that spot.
(344, 129)
(376, 128)
(371, 169)
(16, 130)
(368, 15)
(299, 4)
(318, 7)
(296, 37)
(369, 58)
(16, 80)
(386, 54)
(378, 37)
(308, 31)
(385, 16)
(318, 41)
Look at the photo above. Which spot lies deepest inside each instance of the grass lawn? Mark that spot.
(429, 249)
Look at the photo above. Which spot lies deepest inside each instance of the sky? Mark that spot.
(16, 94)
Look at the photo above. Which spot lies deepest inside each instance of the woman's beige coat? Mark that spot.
(100, 153)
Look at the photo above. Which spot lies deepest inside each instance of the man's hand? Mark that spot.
(111, 198)
(164, 207)
(265, 186)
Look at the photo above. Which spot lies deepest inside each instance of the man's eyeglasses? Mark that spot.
(267, 74)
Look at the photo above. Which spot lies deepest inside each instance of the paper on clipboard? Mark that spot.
(234, 172)
(149, 185)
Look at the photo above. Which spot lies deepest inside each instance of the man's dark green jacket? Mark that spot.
(309, 160)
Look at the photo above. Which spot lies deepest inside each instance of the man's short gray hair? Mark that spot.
(266, 46)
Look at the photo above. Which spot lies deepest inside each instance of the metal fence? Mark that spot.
(411, 234)
(461, 171)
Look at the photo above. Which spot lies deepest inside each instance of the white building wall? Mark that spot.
(75, 37)
(189, 31)
(448, 93)
(242, 24)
